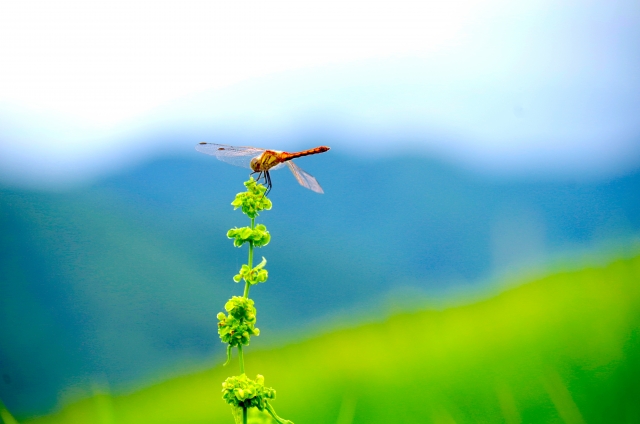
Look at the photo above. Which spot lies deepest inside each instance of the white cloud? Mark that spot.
(104, 61)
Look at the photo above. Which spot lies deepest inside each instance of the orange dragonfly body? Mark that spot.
(261, 161)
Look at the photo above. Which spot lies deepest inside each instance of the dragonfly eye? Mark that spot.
(255, 164)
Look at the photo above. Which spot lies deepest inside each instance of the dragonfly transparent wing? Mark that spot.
(305, 180)
(235, 155)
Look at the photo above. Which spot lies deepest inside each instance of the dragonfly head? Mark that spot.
(256, 165)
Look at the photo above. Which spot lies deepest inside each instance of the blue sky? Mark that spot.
(540, 86)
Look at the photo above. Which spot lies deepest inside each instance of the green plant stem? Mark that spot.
(246, 284)
(246, 295)
(241, 359)
(275, 416)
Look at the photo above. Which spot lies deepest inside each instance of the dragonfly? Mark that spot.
(262, 161)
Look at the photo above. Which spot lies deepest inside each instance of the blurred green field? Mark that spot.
(564, 348)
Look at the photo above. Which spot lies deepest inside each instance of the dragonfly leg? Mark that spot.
(268, 182)
(266, 177)
(259, 177)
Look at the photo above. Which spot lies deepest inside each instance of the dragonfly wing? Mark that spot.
(235, 155)
(305, 180)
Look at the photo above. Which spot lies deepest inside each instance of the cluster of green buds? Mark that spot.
(243, 392)
(253, 275)
(238, 325)
(258, 236)
(253, 200)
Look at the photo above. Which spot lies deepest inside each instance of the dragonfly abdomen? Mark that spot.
(288, 156)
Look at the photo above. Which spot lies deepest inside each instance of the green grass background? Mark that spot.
(563, 348)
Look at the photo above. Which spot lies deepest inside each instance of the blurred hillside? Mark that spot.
(120, 282)
(561, 349)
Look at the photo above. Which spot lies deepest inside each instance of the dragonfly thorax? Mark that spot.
(265, 161)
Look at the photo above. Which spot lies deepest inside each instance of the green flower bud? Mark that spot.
(241, 391)
(237, 327)
(253, 200)
(253, 276)
(258, 236)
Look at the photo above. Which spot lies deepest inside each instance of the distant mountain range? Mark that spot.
(121, 281)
